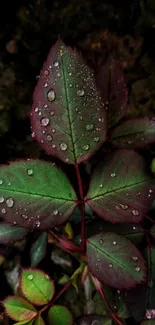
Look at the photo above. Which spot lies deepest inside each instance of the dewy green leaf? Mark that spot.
(113, 259)
(68, 116)
(134, 133)
(38, 249)
(121, 189)
(59, 315)
(10, 233)
(35, 194)
(19, 309)
(36, 286)
(39, 321)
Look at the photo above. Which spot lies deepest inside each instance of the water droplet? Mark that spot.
(89, 127)
(30, 277)
(114, 242)
(44, 121)
(86, 147)
(33, 134)
(53, 146)
(1, 182)
(101, 185)
(46, 73)
(1, 199)
(46, 85)
(135, 212)
(130, 142)
(134, 258)
(30, 172)
(3, 211)
(137, 268)
(10, 202)
(52, 113)
(112, 174)
(56, 64)
(49, 137)
(150, 313)
(118, 291)
(134, 228)
(80, 92)
(124, 206)
(96, 139)
(110, 265)
(45, 106)
(70, 73)
(63, 146)
(37, 223)
(101, 119)
(24, 216)
(53, 130)
(55, 212)
(36, 109)
(101, 241)
(51, 95)
(150, 191)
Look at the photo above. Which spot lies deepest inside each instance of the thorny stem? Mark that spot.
(100, 290)
(54, 299)
(82, 207)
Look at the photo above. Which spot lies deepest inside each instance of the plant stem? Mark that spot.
(82, 207)
(100, 290)
(54, 299)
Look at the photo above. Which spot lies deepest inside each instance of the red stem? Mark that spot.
(65, 244)
(100, 290)
(82, 207)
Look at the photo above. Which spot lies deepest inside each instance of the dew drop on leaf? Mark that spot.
(53, 146)
(10, 202)
(30, 277)
(113, 175)
(30, 172)
(46, 85)
(55, 212)
(44, 121)
(38, 224)
(134, 258)
(52, 113)
(56, 64)
(101, 241)
(63, 146)
(49, 137)
(86, 147)
(51, 95)
(114, 242)
(101, 185)
(3, 211)
(1, 199)
(96, 139)
(80, 92)
(36, 109)
(137, 268)
(89, 127)
(1, 182)
(124, 206)
(46, 73)
(110, 265)
(135, 212)
(53, 130)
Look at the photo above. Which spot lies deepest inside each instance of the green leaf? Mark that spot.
(59, 315)
(123, 265)
(36, 286)
(68, 116)
(9, 233)
(150, 256)
(19, 309)
(24, 323)
(120, 189)
(134, 133)
(148, 322)
(35, 194)
(39, 321)
(38, 249)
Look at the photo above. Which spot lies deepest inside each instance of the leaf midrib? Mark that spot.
(118, 189)
(113, 259)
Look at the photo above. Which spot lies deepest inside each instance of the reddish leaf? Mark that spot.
(113, 259)
(110, 80)
(134, 133)
(68, 116)
(35, 194)
(120, 189)
(19, 309)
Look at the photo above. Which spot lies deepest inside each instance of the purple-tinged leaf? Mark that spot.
(19, 309)
(114, 260)
(38, 249)
(133, 232)
(35, 194)
(110, 80)
(150, 258)
(36, 286)
(9, 233)
(120, 189)
(58, 315)
(93, 319)
(134, 133)
(68, 116)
